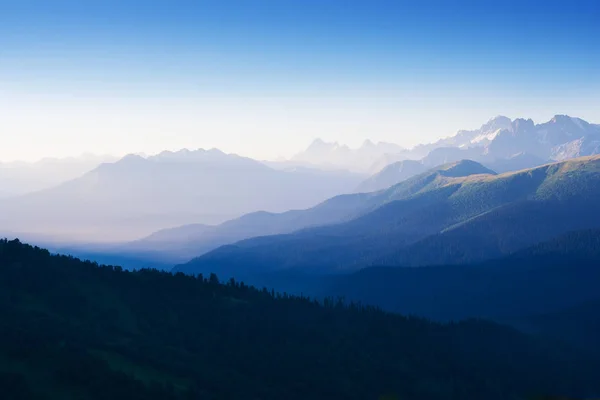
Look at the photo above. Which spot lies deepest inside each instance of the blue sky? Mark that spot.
(263, 78)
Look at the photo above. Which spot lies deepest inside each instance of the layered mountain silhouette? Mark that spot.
(481, 145)
(545, 278)
(335, 155)
(509, 232)
(501, 144)
(549, 288)
(401, 170)
(561, 138)
(461, 212)
(183, 243)
(188, 241)
(391, 175)
(17, 178)
(508, 144)
(136, 196)
(482, 136)
(515, 162)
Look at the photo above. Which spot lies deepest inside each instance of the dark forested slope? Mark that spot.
(73, 330)
(579, 325)
(500, 290)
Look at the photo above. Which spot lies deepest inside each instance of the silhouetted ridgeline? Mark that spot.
(526, 289)
(453, 214)
(73, 330)
(136, 196)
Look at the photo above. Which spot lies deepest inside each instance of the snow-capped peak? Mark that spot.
(486, 137)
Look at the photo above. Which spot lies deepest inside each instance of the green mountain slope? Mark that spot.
(73, 330)
(186, 242)
(564, 201)
(500, 232)
(430, 219)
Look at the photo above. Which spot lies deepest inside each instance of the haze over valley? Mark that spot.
(133, 197)
(266, 200)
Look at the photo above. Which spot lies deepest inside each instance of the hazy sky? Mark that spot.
(263, 78)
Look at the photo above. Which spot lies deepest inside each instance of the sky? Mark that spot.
(263, 78)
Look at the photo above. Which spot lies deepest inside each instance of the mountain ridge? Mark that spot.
(390, 175)
(136, 196)
(359, 159)
(424, 207)
(333, 210)
(498, 140)
(75, 329)
(19, 177)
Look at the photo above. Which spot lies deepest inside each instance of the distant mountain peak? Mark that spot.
(464, 168)
(499, 138)
(334, 154)
(368, 143)
(318, 142)
(475, 138)
(567, 120)
(214, 150)
(498, 120)
(522, 124)
(320, 146)
(187, 155)
(560, 117)
(131, 158)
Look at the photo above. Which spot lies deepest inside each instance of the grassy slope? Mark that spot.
(439, 209)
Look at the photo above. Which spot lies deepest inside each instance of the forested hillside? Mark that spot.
(545, 279)
(499, 289)
(74, 330)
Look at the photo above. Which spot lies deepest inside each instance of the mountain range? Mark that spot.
(461, 212)
(401, 170)
(204, 192)
(501, 144)
(17, 178)
(136, 196)
(335, 155)
(561, 138)
(185, 242)
(500, 224)
(391, 175)
(550, 278)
